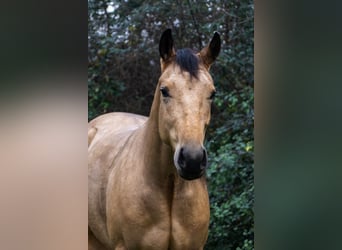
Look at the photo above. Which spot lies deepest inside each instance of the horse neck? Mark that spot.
(157, 154)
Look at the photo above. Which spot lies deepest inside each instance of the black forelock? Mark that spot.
(187, 61)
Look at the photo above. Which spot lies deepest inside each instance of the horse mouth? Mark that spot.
(190, 176)
(189, 172)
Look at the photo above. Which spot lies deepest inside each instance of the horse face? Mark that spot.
(186, 91)
(184, 114)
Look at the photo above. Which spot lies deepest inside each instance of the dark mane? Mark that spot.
(187, 61)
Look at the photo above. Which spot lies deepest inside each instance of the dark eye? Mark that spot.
(165, 91)
(212, 95)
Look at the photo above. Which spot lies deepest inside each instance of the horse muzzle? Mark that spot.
(191, 161)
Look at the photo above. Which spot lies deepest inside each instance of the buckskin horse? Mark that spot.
(147, 184)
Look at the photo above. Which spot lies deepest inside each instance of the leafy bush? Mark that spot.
(230, 175)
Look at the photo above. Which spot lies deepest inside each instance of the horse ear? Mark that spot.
(166, 49)
(210, 53)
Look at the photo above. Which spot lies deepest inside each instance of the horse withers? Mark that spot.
(147, 186)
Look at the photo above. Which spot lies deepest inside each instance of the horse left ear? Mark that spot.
(210, 53)
(166, 50)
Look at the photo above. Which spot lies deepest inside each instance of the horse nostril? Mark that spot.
(204, 159)
(181, 158)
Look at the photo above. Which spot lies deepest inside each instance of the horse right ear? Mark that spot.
(210, 53)
(166, 49)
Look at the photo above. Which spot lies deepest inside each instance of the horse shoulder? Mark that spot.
(137, 212)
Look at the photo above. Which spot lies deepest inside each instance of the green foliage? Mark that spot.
(123, 70)
(230, 175)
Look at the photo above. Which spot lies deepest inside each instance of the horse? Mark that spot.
(146, 175)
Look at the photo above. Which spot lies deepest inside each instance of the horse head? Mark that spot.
(185, 91)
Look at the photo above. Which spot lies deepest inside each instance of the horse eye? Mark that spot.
(165, 91)
(212, 95)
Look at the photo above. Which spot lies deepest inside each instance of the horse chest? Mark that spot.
(190, 217)
(150, 220)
